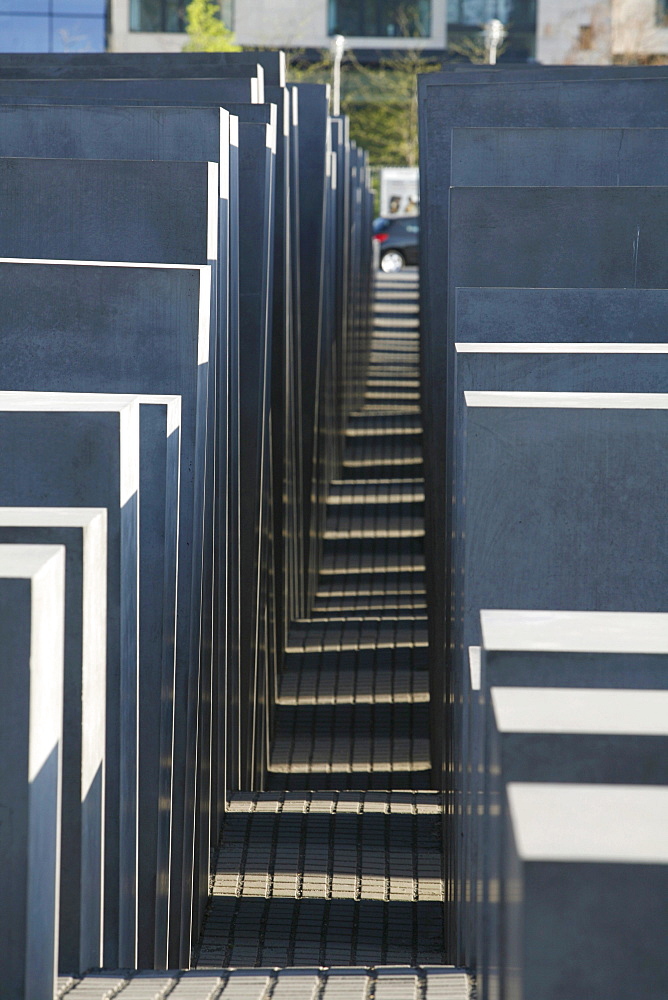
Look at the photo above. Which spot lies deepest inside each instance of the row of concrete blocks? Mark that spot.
(182, 638)
(565, 804)
(544, 373)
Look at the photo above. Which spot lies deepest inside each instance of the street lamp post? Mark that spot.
(495, 33)
(338, 46)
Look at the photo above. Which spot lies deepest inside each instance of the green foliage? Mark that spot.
(206, 31)
(381, 102)
(473, 47)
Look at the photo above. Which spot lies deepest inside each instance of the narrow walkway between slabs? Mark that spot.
(329, 885)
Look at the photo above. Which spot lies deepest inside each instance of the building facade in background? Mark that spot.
(553, 32)
(600, 32)
(53, 25)
(157, 25)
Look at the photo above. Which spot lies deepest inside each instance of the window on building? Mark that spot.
(158, 15)
(380, 18)
(53, 25)
(662, 13)
(466, 17)
(585, 37)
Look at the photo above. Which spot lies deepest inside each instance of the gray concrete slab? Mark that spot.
(613, 102)
(466, 885)
(524, 368)
(571, 437)
(152, 338)
(570, 237)
(97, 209)
(555, 734)
(519, 72)
(133, 65)
(581, 859)
(145, 212)
(32, 603)
(313, 149)
(83, 533)
(609, 103)
(246, 90)
(549, 482)
(559, 368)
(256, 201)
(600, 103)
(150, 133)
(76, 449)
(568, 157)
(561, 315)
(160, 463)
(109, 132)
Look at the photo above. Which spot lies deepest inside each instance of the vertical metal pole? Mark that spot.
(339, 44)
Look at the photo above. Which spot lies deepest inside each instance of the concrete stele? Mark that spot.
(79, 449)
(83, 533)
(32, 615)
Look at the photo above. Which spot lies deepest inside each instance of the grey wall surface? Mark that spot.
(130, 210)
(554, 103)
(243, 89)
(555, 368)
(542, 237)
(91, 132)
(141, 64)
(561, 315)
(115, 210)
(568, 157)
(584, 861)
(159, 478)
(613, 737)
(256, 202)
(32, 613)
(84, 451)
(607, 508)
(609, 103)
(558, 236)
(561, 509)
(152, 338)
(83, 533)
(313, 148)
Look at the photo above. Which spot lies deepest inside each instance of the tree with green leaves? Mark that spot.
(381, 101)
(206, 30)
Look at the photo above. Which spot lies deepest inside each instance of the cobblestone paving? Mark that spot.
(352, 708)
(329, 885)
(341, 983)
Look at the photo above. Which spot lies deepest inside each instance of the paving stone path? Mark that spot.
(329, 886)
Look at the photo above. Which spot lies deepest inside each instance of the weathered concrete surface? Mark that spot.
(581, 860)
(161, 65)
(83, 533)
(70, 450)
(561, 315)
(567, 157)
(153, 338)
(32, 615)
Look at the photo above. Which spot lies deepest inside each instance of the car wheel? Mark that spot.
(392, 261)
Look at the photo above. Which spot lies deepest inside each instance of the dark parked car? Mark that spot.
(398, 241)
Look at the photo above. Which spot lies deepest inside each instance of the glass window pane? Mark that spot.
(158, 15)
(145, 15)
(24, 6)
(345, 17)
(96, 7)
(405, 18)
(174, 15)
(24, 34)
(380, 18)
(78, 34)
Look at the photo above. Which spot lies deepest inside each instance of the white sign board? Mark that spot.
(399, 191)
